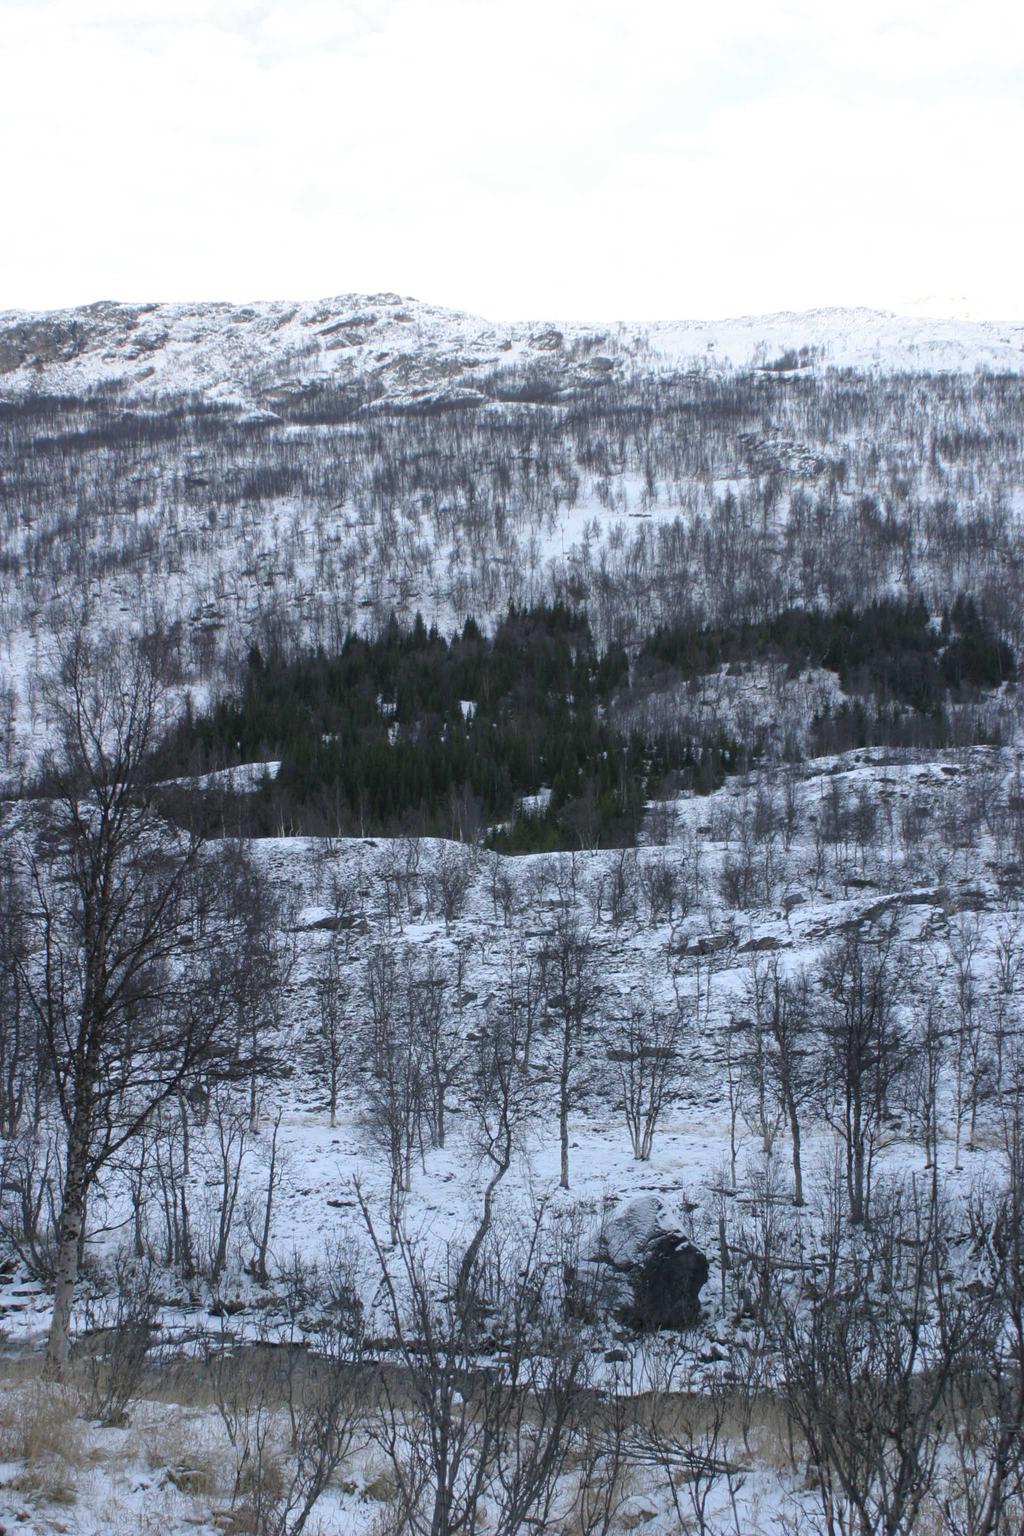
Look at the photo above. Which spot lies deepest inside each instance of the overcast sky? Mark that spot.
(575, 159)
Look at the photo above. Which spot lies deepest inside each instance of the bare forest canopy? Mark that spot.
(356, 1125)
(705, 497)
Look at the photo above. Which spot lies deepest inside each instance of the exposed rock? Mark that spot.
(778, 453)
(710, 944)
(755, 946)
(350, 323)
(346, 339)
(714, 1353)
(667, 1281)
(655, 1274)
(344, 922)
(645, 1053)
(40, 342)
(887, 906)
(207, 347)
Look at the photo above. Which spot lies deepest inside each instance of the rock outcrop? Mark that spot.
(654, 1273)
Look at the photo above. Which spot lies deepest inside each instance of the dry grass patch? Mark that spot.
(41, 1430)
(380, 1485)
(776, 1442)
(182, 1449)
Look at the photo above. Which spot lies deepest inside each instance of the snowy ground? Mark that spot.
(938, 873)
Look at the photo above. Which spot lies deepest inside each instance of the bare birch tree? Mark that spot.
(126, 1003)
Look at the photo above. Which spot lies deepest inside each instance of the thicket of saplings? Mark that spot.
(410, 732)
(753, 492)
(153, 1000)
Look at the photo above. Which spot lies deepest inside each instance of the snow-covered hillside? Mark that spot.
(787, 1018)
(904, 860)
(229, 474)
(409, 350)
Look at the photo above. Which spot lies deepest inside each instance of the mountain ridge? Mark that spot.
(406, 351)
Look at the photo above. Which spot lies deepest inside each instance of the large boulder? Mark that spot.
(655, 1274)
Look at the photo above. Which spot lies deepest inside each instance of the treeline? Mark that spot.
(410, 731)
(527, 736)
(889, 650)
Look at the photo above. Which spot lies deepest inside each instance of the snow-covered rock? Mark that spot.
(656, 1274)
(403, 351)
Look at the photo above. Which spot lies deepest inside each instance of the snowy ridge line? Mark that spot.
(408, 350)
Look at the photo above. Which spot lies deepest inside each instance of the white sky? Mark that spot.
(574, 159)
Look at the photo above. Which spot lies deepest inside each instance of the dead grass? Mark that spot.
(182, 1449)
(41, 1430)
(16, 1370)
(388, 1521)
(241, 1519)
(931, 1520)
(588, 1499)
(380, 1485)
(263, 1475)
(776, 1442)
